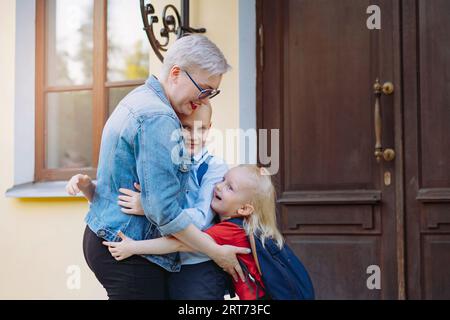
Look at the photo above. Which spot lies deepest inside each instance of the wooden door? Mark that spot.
(339, 209)
(427, 147)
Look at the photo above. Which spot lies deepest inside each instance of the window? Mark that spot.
(89, 55)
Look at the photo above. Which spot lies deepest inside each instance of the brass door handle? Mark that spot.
(387, 89)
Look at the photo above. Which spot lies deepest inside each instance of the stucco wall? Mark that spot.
(42, 238)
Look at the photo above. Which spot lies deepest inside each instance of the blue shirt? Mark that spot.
(199, 197)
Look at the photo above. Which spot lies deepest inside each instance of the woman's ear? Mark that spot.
(246, 210)
(174, 73)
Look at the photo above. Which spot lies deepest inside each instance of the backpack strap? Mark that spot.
(202, 169)
(251, 237)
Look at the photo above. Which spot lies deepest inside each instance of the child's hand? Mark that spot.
(121, 250)
(78, 183)
(131, 201)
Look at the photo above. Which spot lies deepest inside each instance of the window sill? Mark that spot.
(53, 189)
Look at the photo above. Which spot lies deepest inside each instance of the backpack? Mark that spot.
(283, 275)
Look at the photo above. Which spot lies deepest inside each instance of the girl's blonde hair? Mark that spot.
(263, 221)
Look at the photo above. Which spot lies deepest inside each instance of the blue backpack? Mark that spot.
(283, 275)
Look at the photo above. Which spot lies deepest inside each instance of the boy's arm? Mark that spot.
(128, 247)
(162, 245)
(89, 191)
(81, 183)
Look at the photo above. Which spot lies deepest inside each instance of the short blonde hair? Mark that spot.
(263, 220)
(194, 51)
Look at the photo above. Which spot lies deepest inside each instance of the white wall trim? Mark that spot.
(247, 77)
(24, 109)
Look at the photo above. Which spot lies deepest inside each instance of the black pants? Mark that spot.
(136, 278)
(202, 281)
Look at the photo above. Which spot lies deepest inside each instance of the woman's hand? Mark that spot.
(123, 249)
(227, 260)
(130, 201)
(80, 183)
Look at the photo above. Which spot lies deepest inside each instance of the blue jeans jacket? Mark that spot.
(142, 142)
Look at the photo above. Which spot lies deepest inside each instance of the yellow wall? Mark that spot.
(42, 238)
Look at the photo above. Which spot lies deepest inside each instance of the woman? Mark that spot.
(142, 141)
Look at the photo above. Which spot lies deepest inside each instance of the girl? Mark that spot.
(246, 192)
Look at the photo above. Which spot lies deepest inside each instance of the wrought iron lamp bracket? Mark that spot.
(173, 23)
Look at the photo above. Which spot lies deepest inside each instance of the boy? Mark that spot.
(200, 278)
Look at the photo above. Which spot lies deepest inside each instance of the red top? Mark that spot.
(232, 234)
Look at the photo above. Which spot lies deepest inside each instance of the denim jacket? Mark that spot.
(142, 142)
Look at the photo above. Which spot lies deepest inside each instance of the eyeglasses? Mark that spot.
(204, 93)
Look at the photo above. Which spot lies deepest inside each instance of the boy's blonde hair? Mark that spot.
(263, 220)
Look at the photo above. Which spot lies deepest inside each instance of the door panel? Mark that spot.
(327, 79)
(353, 254)
(427, 147)
(318, 64)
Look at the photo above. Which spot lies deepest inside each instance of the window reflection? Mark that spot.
(128, 47)
(69, 42)
(115, 95)
(69, 130)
